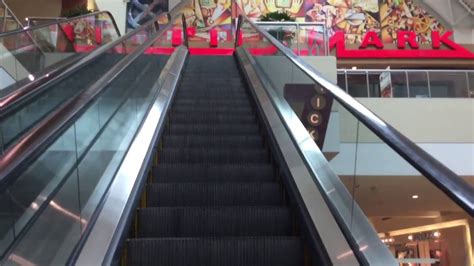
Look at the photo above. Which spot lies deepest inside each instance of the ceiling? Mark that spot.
(455, 13)
(387, 200)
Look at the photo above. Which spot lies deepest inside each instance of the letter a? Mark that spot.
(371, 38)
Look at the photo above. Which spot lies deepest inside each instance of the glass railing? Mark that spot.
(61, 189)
(31, 53)
(303, 38)
(21, 117)
(400, 83)
(421, 211)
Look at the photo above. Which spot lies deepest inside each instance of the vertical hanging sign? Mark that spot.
(312, 104)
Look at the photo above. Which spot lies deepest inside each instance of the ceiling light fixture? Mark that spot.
(414, 196)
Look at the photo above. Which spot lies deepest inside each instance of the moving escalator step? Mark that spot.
(216, 221)
(214, 197)
(213, 129)
(189, 109)
(229, 141)
(214, 194)
(213, 118)
(223, 101)
(213, 98)
(228, 251)
(206, 155)
(181, 172)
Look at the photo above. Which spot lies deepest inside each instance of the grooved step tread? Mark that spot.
(214, 194)
(227, 141)
(228, 101)
(181, 172)
(212, 118)
(214, 199)
(206, 155)
(241, 251)
(214, 221)
(211, 109)
(212, 129)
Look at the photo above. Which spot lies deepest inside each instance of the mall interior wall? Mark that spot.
(118, 8)
(36, 8)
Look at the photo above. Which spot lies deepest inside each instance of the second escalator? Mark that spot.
(22, 116)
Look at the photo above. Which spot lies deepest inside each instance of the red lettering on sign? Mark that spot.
(404, 37)
(371, 39)
(437, 39)
(455, 50)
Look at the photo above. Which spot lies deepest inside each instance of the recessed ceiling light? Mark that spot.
(414, 196)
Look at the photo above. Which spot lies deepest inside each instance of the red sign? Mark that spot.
(404, 39)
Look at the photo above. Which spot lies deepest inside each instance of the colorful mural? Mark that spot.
(405, 15)
(206, 14)
(353, 17)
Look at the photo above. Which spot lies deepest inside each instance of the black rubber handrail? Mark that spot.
(437, 173)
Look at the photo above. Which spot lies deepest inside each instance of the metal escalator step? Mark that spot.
(214, 88)
(181, 172)
(228, 101)
(206, 155)
(214, 194)
(211, 109)
(207, 81)
(212, 129)
(218, 103)
(229, 78)
(214, 97)
(211, 96)
(213, 118)
(216, 221)
(242, 251)
(229, 141)
(221, 89)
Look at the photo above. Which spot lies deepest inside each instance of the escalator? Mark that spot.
(20, 117)
(195, 160)
(37, 54)
(48, 71)
(215, 193)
